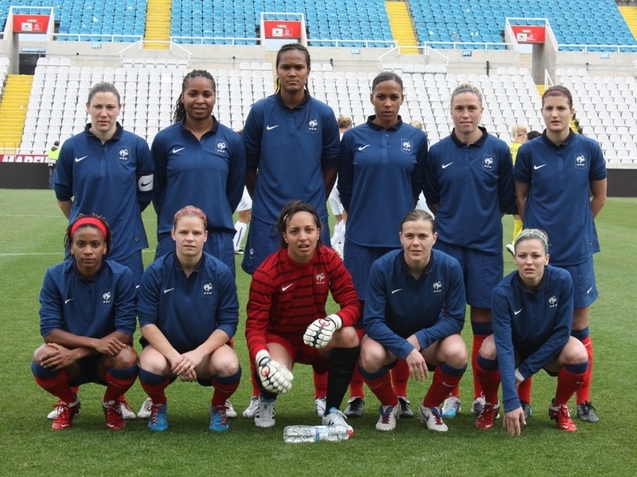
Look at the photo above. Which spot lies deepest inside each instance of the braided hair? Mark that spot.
(180, 111)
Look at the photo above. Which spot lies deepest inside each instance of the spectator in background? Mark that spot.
(52, 158)
(340, 216)
(241, 225)
(519, 135)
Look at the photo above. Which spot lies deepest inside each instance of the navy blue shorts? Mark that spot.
(482, 272)
(136, 265)
(584, 287)
(88, 371)
(219, 244)
(359, 260)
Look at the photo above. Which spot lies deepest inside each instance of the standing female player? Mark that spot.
(87, 319)
(560, 184)
(414, 313)
(108, 171)
(380, 177)
(532, 316)
(469, 186)
(292, 140)
(198, 161)
(188, 311)
(287, 322)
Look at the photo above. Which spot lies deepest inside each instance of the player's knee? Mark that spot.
(348, 337)
(38, 355)
(488, 349)
(228, 365)
(126, 358)
(370, 359)
(576, 352)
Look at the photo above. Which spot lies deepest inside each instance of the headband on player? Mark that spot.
(88, 221)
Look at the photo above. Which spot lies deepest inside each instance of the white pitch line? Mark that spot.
(26, 254)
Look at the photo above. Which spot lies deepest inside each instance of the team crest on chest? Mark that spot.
(106, 298)
(436, 287)
(123, 154)
(553, 302)
(580, 161)
(207, 288)
(222, 147)
(487, 162)
(405, 146)
(312, 125)
(320, 278)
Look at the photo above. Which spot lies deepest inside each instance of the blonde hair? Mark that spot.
(517, 131)
(344, 122)
(528, 234)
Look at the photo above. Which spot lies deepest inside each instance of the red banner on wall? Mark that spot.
(282, 29)
(528, 34)
(23, 158)
(30, 23)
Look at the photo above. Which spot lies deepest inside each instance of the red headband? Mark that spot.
(190, 209)
(556, 91)
(88, 221)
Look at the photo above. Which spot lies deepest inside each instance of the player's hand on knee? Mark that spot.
(320, 331)
(275, 377)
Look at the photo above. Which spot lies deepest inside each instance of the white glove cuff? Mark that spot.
(518, 375)
(261, 355)
(337, 320)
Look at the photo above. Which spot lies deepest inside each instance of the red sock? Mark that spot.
(383, 389)
(117, 386)
(400, 377)
(256, 391)
(584, 392)
(356, 385)
(320, 385)
(156, 392)
(567, 384)
(440, 388)
(489, 382)
(58, 386)
(224, 388)
(477, 343)
(524, 390)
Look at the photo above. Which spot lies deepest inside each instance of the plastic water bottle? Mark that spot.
(314, 433)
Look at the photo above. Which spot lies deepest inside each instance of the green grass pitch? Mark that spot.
(31, 231)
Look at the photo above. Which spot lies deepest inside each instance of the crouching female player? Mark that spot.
(87, 319)
(287, 322)
(414, 311)
(532, 316)
(188, 311)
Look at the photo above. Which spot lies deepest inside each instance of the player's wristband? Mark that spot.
(337, 320)
(518, 375)
(262, 355)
